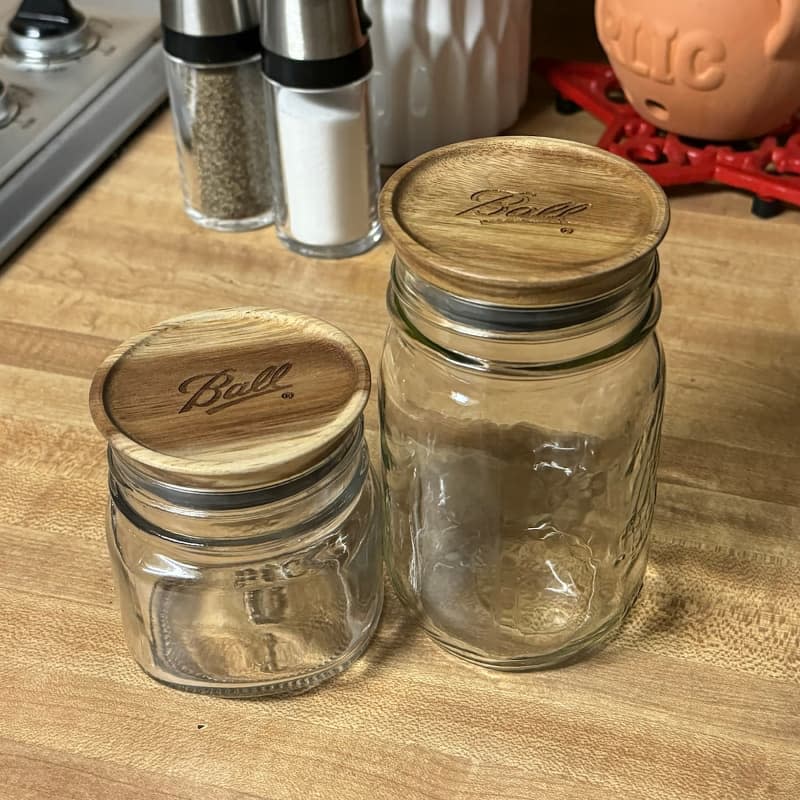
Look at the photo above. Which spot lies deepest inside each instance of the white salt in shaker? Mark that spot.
(317, 61)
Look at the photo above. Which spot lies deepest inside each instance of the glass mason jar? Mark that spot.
(230, 582)
(218, 106)
(521, 395)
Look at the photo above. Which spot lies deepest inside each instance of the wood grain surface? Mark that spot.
(156, 398)
(524, 221)
(697, 699)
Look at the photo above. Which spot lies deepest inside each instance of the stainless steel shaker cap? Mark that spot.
(209, 17)
(315, 44)
(210, 32)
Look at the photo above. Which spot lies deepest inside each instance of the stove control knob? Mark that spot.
(47, 31)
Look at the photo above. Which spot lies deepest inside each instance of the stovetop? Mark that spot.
(76, 81)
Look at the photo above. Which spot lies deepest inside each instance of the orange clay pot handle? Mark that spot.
(783, 41)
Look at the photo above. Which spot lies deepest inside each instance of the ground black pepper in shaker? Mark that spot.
(219, 109)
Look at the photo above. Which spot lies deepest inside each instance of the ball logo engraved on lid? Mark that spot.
(506, 206)
(216, 391)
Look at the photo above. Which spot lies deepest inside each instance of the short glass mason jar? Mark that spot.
(521, 395)
(230, 581)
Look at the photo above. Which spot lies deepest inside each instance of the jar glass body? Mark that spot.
(325, 175)
(519, 476)
(219, 116)
(272, 599)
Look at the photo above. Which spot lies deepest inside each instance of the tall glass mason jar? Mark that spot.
(244, 525)
(521, 395)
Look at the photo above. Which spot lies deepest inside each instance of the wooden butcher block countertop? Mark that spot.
(698, 698)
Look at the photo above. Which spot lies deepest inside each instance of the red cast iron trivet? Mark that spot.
(768, 167)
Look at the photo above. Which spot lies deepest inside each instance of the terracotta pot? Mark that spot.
(710, 69)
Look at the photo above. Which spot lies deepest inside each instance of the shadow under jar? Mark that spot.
(244, 524)
(521, 395)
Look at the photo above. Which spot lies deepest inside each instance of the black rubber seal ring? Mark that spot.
(326, 73)
(227, 49)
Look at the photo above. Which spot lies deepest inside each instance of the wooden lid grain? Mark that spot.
(524, 221)
(232, 399)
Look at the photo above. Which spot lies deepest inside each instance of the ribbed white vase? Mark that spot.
(446, 70)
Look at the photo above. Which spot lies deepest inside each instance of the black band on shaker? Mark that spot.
(226, 49)
(326, 73)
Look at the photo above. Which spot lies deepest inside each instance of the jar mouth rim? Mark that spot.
(518, 343)
(202, 499)
(476, 318)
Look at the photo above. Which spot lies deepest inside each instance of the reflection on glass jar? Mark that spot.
(519, 441)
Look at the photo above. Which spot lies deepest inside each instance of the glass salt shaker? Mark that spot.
(521, 394)
(317, 62)
(218, 105)
(244, 525)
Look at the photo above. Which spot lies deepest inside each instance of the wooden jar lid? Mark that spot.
(524, 221)
(231, 400)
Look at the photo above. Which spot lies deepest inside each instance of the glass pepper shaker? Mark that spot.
(521, 394)
(244, 525)
(317, 62)
(219, 111)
